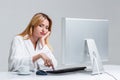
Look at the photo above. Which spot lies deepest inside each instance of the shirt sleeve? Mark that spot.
(18, 57)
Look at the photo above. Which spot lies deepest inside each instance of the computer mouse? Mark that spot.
(41, 72)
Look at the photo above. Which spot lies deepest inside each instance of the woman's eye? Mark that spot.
(47, 27)
(40, 25)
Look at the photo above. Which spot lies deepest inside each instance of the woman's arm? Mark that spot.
(47, 58)
(47, 61)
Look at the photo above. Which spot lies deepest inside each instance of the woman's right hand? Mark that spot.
(47, 60)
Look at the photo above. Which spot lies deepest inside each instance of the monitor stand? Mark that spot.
(90, 46)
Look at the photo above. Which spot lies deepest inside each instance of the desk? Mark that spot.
(79, 75)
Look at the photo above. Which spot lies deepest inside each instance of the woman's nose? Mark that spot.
(43, 29)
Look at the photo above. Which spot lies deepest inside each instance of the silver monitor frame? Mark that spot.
(75, 31)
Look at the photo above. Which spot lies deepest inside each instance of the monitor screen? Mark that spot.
(74, 33)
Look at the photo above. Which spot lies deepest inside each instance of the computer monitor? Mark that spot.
(75, 34)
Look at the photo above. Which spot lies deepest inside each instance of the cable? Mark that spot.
(111, 76)
(94, 59)
(104, 72)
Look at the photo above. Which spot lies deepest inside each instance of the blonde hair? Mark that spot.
(35, 21)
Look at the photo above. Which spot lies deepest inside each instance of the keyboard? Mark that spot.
(66, 70)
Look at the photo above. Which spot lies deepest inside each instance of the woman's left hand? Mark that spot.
(42, 40)
(46, 35)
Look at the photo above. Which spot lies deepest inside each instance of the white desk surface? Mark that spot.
(79, 75)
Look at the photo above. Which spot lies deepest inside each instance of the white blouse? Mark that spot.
(22, 51)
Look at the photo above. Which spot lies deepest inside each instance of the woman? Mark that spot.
(31, 47)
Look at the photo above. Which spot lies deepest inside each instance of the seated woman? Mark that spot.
(31, 47)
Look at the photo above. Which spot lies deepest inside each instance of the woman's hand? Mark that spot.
(47, 60)
(46, 35)
(42, 40)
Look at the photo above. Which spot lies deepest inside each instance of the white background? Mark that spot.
(16, 14)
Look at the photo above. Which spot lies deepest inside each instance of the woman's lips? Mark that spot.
(42, 33)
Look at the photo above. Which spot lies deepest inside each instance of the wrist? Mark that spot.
(36, 57)
(42, 41)
(40, 55)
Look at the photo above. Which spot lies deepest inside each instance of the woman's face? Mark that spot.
(40, 30)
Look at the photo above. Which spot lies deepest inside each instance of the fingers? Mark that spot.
(53, 67)
(47, 34)
(49, 63)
